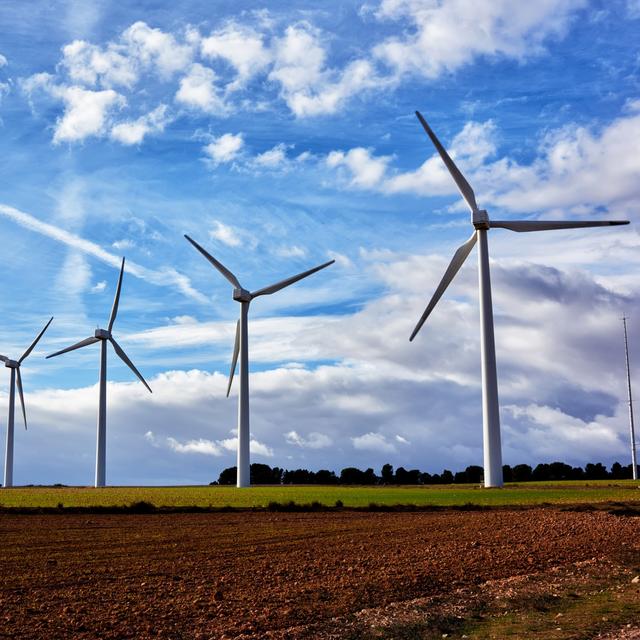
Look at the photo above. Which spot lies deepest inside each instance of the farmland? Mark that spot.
(530, 493)
(545, 573)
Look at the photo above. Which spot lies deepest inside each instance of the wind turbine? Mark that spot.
(632, 433)
(14, 365)
(481, 223)
(103, 336)
(241, 346)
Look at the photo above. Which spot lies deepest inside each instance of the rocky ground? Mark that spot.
(300, 575)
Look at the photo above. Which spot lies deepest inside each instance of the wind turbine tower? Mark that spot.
(103, 336)
(482, 224)
(14, 366)
(241, 348)
(632, 434)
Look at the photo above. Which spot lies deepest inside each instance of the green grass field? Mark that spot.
(530, 493)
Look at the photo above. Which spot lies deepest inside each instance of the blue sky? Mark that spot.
(281, 136)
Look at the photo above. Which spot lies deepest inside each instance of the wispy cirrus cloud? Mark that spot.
(167, 276)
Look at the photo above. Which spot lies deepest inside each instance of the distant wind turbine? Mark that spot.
(103, 336)
(14, 365)
(632, 433)
(241, 347)
(482, 223)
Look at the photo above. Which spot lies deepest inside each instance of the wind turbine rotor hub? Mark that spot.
(480, 219)
(241, 295)
(12, 364)
(102, 334)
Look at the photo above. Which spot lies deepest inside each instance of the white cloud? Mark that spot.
(575, 168)
(293, 251)
(154, 47)
(449, 34)
(88, 64)
(205, 447)
(225, 148)
(125, 244)
(99, 287)
(198, 90)
(373, 442)
(307, 86)
(3, 61)
(225, 234)
(167, 276)
(242, 47)
(273, 158)
(255, 447)
(86, 112)
(366, 171)
(133, 132)
(313, 440)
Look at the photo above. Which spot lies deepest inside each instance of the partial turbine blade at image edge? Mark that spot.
(116, 299)
(21, 393)
(454, 266)
(234, 359)
(549, 225)
(123, 356)
(463, 186)
(218, 265)
(3, 358)
(35, 342)
(78, 345)
(285, 283)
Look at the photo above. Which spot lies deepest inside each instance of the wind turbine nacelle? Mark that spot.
(102, 334)
(480, 219)
(242, 295)
(11, 364)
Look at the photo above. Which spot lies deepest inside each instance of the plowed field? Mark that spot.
(271, 575)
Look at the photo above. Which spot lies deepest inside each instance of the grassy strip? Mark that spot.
(603, 601)
(260, 496)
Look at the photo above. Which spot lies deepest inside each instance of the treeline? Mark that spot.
(264, 474)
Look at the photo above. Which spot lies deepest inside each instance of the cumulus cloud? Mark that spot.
(225, 148)
(86, 112)
(198, 90)
(373, 442)
(206, 447)
(3, 61)
(446, 35)
(241, 46)
(313, 440)
(225, 234)
(307, 85)
(575, 167)
(134, 132)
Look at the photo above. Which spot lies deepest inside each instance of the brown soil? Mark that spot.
(277, 575)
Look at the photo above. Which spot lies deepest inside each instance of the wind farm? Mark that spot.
(404, 446)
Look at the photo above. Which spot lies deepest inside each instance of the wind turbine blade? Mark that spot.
(234, 359)
(3, 358)
(218, 265)
(35, 342)
(285, 283)
(19, 380)
(125, 359)
(116, 300)
(463, 186)
(454, 266)
(549, 225)
(78, 345)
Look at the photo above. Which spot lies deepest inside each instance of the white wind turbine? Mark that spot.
(241, 346)
(482, 223)
(103, 336)
(14, 365)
